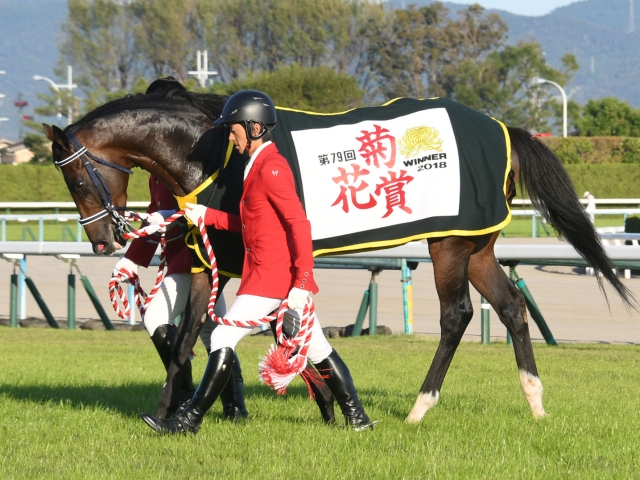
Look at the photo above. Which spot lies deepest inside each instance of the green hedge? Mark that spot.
(44, 183)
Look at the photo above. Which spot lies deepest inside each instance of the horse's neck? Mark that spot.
(181, 168)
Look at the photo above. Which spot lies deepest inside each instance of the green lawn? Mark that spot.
(69, 402)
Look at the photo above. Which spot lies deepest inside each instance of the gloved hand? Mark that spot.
(297, 299)
(195, 212)
(156, 217)
(125, 264)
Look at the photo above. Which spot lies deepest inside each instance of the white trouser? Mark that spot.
(171, 301)
(251, 307)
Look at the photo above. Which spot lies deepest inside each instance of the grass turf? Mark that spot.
(69, 402)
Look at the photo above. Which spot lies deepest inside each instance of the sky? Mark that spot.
(521, 7)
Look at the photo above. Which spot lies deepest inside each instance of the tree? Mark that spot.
(317, 89)
(417, 51)
(609, 116)
(309, 33)
(166, 32)
(40, 146)
(99, 41)
(501, 85)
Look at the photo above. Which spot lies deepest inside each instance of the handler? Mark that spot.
(278, 264)
(171, 300)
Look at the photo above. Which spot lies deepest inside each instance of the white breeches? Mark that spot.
(171, 300)
(251, 307)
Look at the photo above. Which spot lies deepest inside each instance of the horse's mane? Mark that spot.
(208, 103)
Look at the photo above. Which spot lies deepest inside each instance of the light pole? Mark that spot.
(537, 81)
(70, 85)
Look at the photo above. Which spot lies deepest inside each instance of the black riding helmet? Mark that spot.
(248, 107)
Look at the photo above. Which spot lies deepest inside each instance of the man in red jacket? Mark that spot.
(278, 263)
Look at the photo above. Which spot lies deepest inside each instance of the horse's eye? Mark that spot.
(80, 186)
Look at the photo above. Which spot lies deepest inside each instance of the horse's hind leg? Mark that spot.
(491, 281)
(450, 258)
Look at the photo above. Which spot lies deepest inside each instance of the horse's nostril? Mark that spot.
(101, 246)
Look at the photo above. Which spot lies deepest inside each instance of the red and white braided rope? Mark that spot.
(282, 362)
(141, 298)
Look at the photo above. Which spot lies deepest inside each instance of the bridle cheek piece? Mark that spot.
(85, 156)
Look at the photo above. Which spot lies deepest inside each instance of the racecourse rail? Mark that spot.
(404, 258)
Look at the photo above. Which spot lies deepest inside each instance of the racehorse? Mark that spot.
(168, 135)
(96, 154)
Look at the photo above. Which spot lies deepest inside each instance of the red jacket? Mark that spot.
(275, 230)
(177, 254)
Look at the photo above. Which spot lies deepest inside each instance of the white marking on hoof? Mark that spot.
(423, 403)
(532, 389)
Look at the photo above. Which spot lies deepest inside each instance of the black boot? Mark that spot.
(339, 380)
(324, 399)
(215, 378)
(163, 339)
(232, 396)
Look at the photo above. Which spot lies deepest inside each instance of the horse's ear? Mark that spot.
(54, 134)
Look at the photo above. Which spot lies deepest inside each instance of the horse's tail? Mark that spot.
(552, 194)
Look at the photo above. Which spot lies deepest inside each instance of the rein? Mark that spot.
(98, 181)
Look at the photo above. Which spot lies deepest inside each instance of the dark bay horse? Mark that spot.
(169, 136)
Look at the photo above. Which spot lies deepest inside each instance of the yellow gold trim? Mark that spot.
(287, 109)
(192, 197)
(363, 247)
(508, 169)
(229, 274)
(197, 269)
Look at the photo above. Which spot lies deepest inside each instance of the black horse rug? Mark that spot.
(378, 177)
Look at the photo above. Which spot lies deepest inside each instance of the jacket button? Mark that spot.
(243, 202)
(243, 226)
(304, 280)
(248, 249)
(157, 181)
(302, 285)
(159, 203)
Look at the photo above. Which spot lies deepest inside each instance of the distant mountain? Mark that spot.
(596, 31)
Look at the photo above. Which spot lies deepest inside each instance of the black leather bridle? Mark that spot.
(85, 156)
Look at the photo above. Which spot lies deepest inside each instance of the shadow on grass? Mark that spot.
(132, 399)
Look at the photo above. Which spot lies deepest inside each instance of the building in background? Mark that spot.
(14, 153)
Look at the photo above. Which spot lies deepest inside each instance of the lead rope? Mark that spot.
(140, 297)
(288, 358)
(282, 362)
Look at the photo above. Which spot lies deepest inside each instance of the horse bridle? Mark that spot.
(83, 154)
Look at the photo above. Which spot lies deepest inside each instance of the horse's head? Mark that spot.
(97, 178)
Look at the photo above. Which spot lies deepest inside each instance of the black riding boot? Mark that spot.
(164, 338)
(232, 396)
(213, 382)
(339, 380)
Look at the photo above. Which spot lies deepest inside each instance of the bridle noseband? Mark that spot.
(83, 154)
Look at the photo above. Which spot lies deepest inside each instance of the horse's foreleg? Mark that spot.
(188, 330)
(491, 281)
(450, 257)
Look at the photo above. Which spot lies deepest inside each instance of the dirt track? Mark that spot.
(573, 307)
